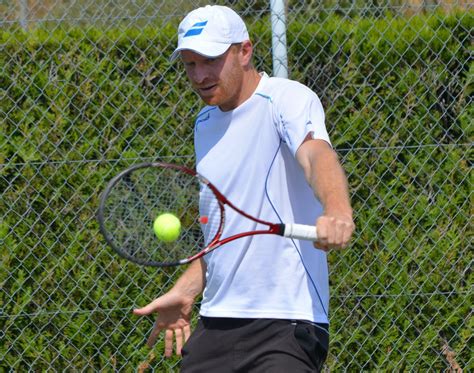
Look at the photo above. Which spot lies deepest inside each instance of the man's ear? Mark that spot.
(247, 52)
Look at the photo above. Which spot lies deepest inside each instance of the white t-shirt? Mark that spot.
(249, 155)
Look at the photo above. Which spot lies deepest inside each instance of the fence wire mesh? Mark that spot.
(86, 89)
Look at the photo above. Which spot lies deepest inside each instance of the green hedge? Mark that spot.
(81, 104)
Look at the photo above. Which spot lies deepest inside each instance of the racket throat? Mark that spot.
(280, 229)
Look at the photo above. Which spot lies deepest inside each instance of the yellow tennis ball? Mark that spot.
(167, 227)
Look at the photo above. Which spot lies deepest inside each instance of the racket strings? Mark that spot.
(142, 195)
(211, 216)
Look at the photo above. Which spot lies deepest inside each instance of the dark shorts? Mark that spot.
(255, 345)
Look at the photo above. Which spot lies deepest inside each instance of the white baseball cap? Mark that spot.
(210, 31)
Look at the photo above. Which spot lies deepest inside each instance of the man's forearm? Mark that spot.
(330, 184)
(325, 176)
(192, 281)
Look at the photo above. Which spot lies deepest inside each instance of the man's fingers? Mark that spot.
(333, 233)
(153, 336)
(169, 342)
(322, 233)
(178, 333)
(148, 309)
(337, 234)
(187, 332)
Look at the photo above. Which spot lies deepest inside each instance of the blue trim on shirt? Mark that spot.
(200, 117)
(264, 96)
(292, 240)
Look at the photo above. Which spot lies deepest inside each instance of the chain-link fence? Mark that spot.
(86, 89)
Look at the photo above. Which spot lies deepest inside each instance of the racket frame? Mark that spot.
(297, 231)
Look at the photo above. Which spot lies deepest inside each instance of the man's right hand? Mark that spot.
(173, 316)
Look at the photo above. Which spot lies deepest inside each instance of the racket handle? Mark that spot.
(300, 232)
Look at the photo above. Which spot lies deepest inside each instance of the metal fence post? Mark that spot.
(279, 51)
(24, 14)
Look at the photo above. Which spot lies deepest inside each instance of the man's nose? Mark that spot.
(200, 74)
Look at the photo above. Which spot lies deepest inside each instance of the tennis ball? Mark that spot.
(167, 227)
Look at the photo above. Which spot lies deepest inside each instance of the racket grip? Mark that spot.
(300, 232)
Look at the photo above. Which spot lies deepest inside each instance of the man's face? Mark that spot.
(218, 81)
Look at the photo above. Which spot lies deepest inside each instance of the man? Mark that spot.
(263, 143)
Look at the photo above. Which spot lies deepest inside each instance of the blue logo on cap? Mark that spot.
(195, 29)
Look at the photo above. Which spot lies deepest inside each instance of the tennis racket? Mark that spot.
(136, 196)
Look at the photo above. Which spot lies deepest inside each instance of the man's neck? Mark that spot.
(250, 82)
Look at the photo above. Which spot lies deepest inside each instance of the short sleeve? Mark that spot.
(300, 113)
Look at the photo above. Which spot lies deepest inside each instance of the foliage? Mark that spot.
(81, 104)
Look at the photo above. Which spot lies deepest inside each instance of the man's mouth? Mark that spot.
(207, 89)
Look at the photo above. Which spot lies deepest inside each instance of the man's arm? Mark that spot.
(329, 183)
(174, 308)
(192, 281)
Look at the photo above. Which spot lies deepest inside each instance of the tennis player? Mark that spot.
(263, 143)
